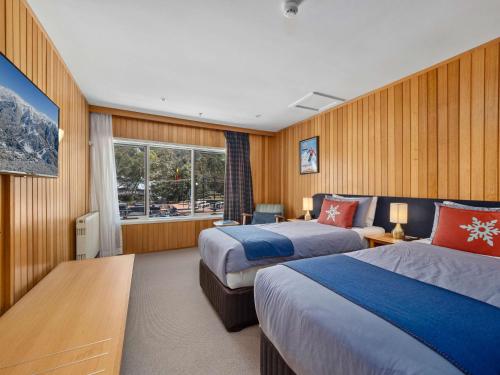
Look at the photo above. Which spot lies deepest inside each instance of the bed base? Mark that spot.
(235, 307)
(271, 361)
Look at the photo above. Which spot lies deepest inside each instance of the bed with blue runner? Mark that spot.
(463, 330)
(259, 243)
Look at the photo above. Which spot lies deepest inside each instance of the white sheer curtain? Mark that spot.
(104, 191)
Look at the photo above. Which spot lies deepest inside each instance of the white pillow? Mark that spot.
(467, 207)
(371, 212)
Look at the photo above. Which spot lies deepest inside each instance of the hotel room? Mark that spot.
(273, 187)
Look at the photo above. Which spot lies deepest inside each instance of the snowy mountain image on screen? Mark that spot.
(28, 138)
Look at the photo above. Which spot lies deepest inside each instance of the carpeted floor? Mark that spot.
(171, 327)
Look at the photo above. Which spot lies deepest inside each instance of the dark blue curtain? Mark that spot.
(238, 191)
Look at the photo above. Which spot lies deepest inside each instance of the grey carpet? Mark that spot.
(172, 328)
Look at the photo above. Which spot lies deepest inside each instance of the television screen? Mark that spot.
(29, 125)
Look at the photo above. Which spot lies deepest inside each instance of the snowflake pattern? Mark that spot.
(481, 230)
(332, 212)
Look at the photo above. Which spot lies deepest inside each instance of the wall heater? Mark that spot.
(87, 236)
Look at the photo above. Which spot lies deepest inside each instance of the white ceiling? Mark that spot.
(235, 59)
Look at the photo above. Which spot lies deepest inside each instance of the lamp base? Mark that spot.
(307, 216)
(398, 233)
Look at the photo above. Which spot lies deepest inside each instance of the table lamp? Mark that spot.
(307, 205)
(399, 215)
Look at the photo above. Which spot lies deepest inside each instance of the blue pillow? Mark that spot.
(263, 218)
(362, 210)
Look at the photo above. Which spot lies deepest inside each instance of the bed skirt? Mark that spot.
(235, 307)
(271, 362)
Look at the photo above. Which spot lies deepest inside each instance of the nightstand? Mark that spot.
(383, 239)
(295, 219)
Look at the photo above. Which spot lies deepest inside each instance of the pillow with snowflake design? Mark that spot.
(468, 230)
(456, 205)
(338, 213)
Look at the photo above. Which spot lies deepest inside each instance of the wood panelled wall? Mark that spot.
(146, 238)
(434, 134)
(38, 214)
(173, 235)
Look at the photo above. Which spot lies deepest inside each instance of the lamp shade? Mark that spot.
(307, 204)
(399, 213)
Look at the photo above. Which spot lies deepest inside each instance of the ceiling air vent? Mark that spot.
(317, 102)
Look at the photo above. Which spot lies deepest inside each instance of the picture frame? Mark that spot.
(309, 155)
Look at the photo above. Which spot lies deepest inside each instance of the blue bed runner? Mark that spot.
(260, 243)
(461, 329)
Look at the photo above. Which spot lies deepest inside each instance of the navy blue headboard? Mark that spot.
(420, 212)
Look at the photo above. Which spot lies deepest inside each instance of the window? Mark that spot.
(131, 176)
(180, 181)
(169, 182)
(209, 169)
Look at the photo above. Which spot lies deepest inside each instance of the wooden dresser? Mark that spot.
(72, 322)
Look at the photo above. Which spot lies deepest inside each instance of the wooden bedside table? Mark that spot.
(294, 219)
(381, 240)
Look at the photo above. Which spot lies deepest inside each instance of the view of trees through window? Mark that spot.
(170, 178)
(209, 169)
(131, 178)
(169, 182)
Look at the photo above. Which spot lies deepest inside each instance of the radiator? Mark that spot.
(87, 236)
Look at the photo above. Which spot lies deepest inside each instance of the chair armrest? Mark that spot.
(244, 217)
(279, 218)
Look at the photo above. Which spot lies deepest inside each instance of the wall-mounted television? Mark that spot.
(29, 125)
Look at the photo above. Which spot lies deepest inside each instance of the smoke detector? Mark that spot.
(290, 8)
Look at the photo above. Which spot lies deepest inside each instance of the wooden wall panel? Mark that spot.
(434, 134)
(477, 125)
(146, 238)
(140, 238)
(453, 129)
(491, 122)
(169, 133)
(38, 214)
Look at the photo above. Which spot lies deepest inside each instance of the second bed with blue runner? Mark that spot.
(259, 243)
(463, 330)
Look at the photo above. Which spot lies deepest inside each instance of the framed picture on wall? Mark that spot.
(309, 155)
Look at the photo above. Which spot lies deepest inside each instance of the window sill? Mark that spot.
(155, 220)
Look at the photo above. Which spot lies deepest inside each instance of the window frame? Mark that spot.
(155, 144)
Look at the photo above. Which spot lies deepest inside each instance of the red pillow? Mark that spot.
(468, 230)
(338, 213)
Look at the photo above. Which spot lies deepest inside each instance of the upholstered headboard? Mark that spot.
(420, 212)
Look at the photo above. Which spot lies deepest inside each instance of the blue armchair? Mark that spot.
(265, 214)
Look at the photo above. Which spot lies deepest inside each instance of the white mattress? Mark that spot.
(246, 277)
